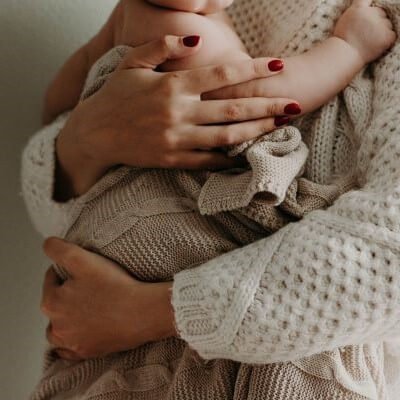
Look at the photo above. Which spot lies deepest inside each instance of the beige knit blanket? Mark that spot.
(157, 222)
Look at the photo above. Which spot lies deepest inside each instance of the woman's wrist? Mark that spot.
(77, 170)
(158, 312)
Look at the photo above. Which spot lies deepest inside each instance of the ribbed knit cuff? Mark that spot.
(211, 300)
(38, 178)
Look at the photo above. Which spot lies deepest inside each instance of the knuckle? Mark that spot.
(226, 137)
(48, 245)
(273, 108)
(58, 333)
(164, 44)
(266, 126)
(169, 85)
(256, 69)
(71, 257)
(223, 73)
(46, 307)
(169, 139)
(49, 305)
(233, 112)
(81, 351)
(169, 161)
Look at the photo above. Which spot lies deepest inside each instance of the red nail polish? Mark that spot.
(280, 121)
(293, 109)
(191, 41)
(275, 65)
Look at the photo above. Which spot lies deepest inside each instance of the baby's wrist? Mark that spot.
(354, 52)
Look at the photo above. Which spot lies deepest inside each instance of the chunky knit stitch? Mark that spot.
(325, 282)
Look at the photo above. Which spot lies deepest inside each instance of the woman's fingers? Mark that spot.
(229, 135)
(152, 54)
(206, 79)
(222, 111)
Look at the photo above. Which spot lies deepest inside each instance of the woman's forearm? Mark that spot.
(285, 304)
(77, 167)
(328, 281)
(65, 90)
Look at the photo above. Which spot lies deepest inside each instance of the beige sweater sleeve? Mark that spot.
(49, 217)
(330, 280)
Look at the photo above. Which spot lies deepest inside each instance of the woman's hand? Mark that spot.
(144, 118)
(101, 309)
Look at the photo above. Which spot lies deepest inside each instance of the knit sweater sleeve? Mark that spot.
(37, 181)
(330, 280)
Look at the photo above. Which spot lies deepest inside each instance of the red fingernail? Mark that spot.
(293, 109)
(275, 65)
(191, 41)
(280, 121)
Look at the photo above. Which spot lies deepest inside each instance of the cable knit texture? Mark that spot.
(325, 282)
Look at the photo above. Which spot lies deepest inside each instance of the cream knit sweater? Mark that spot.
(325, 282)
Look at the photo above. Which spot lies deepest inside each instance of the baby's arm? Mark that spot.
(64, 91)
(196, 6)
(362, 34)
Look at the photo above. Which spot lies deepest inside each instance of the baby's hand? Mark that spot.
(195, 6)
(367, 29)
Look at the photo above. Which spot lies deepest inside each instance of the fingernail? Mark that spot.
(275, 65)
(293, 109)
(280, 121)
(191, 41)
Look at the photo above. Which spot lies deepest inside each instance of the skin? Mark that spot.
(179, 124)
(69, 321)
(91, 277)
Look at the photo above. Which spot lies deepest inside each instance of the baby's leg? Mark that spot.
(144, 22)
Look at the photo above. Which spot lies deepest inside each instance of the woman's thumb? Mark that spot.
(152, 54)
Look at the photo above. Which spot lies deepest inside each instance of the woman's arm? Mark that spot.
(331, 280)
(64, 91)
(142, 128)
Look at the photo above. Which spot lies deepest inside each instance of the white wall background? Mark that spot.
(35, 37)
